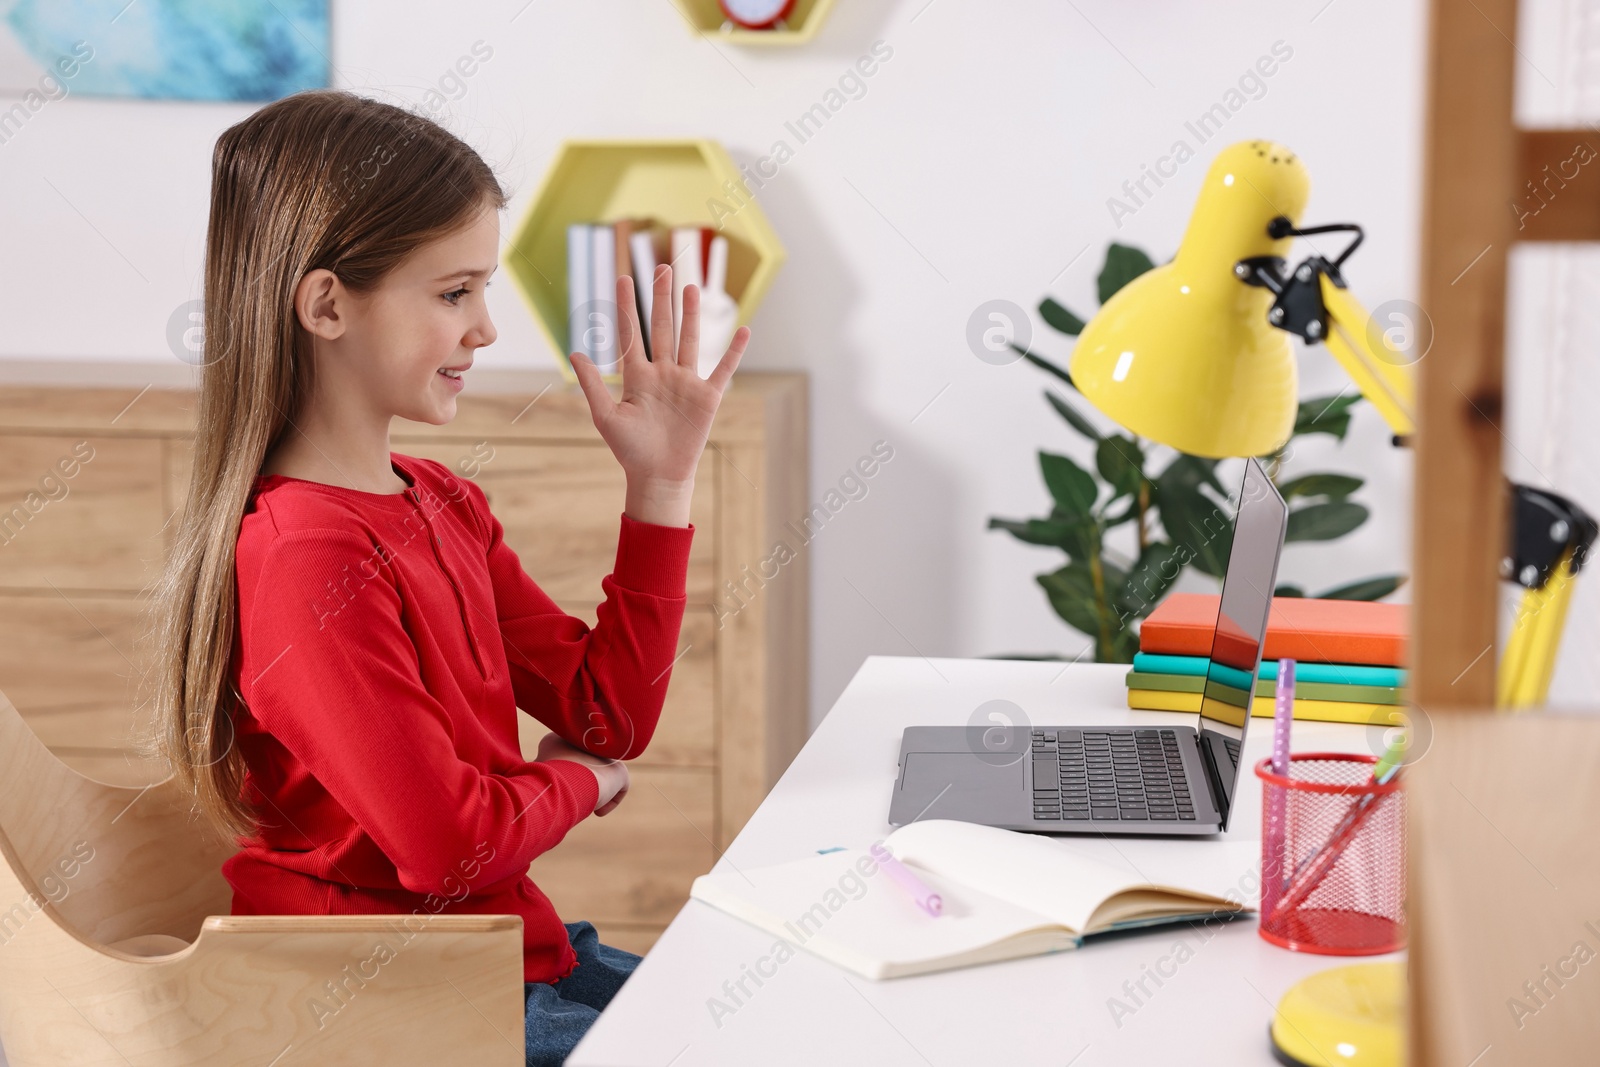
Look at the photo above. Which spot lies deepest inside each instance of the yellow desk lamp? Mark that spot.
(1350, 1016)
(1551, 538)
(1195, 354)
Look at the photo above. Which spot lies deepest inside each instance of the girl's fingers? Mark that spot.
(629, 340)
(729, 363)
(611, 805)
(663, 348)
(594, 388)
(689, 340)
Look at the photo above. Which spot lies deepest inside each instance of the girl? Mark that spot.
(344, 637)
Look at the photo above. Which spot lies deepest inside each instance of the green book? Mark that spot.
(1193, 683)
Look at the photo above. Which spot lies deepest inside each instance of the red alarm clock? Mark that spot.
(757, 14)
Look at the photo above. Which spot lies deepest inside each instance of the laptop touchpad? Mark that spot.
(961, 785)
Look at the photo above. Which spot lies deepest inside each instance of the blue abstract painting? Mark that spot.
(165, 49)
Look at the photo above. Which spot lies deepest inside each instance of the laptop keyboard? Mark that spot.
(1109, 775)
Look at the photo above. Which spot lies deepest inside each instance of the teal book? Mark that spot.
(1330, 673)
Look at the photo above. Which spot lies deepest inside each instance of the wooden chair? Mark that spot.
(117, 949)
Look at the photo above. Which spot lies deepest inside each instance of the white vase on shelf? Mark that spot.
(719, 314)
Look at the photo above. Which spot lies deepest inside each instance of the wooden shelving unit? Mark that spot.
(1480, 912)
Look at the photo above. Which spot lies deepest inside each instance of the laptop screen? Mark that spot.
(1241, 627)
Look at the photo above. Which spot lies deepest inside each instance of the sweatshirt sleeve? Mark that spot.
(602, 688)
(341, 688)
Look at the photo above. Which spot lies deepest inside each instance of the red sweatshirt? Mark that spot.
(385, 642)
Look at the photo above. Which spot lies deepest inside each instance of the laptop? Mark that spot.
(1178, 779)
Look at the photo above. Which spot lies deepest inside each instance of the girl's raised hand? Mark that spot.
(662, 422)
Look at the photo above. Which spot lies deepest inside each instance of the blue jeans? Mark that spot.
(557, 1014)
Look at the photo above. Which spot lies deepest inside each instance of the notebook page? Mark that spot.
(867, 923)
(1036, 873)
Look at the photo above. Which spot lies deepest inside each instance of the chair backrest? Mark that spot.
(101, 862)
(107, 956)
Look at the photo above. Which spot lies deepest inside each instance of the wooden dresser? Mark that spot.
(78, 549)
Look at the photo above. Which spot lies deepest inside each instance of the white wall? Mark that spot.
(977, 166)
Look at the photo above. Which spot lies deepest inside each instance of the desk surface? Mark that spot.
(1207, 995)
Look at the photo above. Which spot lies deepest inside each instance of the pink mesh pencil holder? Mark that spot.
(1333, 856)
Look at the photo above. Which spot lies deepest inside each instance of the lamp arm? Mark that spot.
(1383, 374)
(1529, 660)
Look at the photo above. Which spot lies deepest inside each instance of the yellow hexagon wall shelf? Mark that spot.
(707, 18)
(675, 183)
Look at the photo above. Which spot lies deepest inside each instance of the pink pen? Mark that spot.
(1283, 716)
(926, 898)
(1278, 797)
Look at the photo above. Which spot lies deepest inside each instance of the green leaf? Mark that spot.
(1071, 593)
(1124, 643)
(1325, 522)
(1196, 469)
(1072, 487)
(1326, 414)
(1333, 486)
(1127, 514)
(1047, 366)
(1121, 463)
(1082, 531)
(1366, 589)
(1157, 568)
(1060, 318)
(1289, 590)
(1074, 419)
(1123, 265)
(1054, 532)
(1201, 530)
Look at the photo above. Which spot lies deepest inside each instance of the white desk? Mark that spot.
(1049, 1010)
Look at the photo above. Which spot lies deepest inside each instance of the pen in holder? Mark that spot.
(1334, 856)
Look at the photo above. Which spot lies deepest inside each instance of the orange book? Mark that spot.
(1315, 631)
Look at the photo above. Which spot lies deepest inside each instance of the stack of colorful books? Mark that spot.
(1348, 655)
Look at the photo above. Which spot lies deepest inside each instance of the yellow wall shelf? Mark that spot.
(707, 19)
(673, 182)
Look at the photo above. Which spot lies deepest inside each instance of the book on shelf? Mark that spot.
(1005, 895)
(624, 232)
(580, 240)
(604, 328)
(642, 249)
(687, 267)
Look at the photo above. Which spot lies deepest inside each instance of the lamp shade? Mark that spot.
(1183, 354)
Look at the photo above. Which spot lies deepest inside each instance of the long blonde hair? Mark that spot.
(321, 179)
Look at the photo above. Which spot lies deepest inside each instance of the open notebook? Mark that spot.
(1006, 895)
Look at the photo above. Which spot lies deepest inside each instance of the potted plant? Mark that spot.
(1177, 509)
